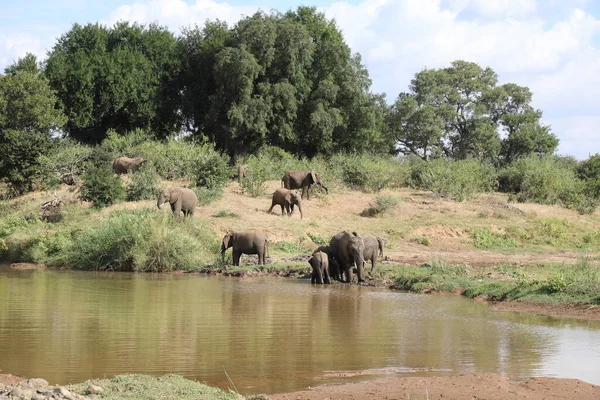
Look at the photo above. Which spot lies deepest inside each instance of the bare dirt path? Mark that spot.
(469, 386)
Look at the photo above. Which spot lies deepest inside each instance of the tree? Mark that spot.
(119, 78)
(460, 111)
(28, 118)
(285, 80)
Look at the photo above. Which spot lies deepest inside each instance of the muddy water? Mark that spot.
(271, 335)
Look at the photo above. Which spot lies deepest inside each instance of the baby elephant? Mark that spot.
(319, 263)
(286, 199)
(181, 199)
(249, 242)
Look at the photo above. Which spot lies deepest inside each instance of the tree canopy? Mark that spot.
(460, 111)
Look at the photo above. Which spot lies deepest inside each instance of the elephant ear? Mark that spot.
(313, 176)
(174, 196)
(288, 196)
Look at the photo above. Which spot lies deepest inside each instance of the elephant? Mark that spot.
(334, 267)
(181, 199)
(241, 171)
(302, 179)
(248, 242)
(123, 165)
(373, 249)
(286, 199)
(319, 263)
(347, 248)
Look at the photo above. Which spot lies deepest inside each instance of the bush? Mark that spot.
(141, 241)
(367, 172)
(318, 239)
(589, 172)
(210, 169)
(125, 145)
(66, 164)
(545, 180)
(10, 224)
(143, 184)
(207, 196)
(459, 179)
(383, 205)
(101, 186)
(486, 239)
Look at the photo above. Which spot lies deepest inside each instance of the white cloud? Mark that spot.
(177, 13)
(15, 46)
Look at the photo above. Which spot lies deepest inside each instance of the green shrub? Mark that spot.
(10, 224)
(66, 164)
(141, 241)
(101, 186)
(383, 205)
(369, 173)
(206, 195)
(487, 239)
(459, 179)
(288, 247)
(258, 172)
(226, 214)
(424, 240)
(143, 184)
(125, 145)
(589, 172)
(545, 180)
(318, 239)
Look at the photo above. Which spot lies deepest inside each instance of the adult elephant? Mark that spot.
(373, 249)
(247, 242)
(348, 250)
(180, 199)
(295, 179)
(123, 165)
(286, 199)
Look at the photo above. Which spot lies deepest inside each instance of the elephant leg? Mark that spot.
(287, 210)
(261, 257)
(177, 210)
(327, 278)
(236, 258)
(372, 265)
(282, 209)
(272, 205)
(313, 277)
(320, 275)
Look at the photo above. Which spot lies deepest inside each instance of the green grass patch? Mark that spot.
(485, 238)
(424, 240)
(288, 247)
(318, 239)
(382, 205)
(226, 213)
(145, 387)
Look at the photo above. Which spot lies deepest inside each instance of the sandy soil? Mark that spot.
(10, 380)
(469, 386)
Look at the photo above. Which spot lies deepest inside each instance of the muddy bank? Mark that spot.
(579, 311)
(469, 386)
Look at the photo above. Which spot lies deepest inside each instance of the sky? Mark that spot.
(551, 46)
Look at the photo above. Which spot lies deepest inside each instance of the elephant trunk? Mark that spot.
(323, 186)
(300, 209)
(359, 261)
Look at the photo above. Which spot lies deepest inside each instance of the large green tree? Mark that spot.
(285, 80)
(460, 111)
(28, 120)
(121, 78)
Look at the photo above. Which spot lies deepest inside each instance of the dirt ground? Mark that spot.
(469, 386)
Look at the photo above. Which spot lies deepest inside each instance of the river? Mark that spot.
(269, 334)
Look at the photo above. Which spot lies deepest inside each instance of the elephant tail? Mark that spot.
(266, 248)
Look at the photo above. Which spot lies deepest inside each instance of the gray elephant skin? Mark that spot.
(320, 266)
(295, 179)
(373, 248)
(180, 199)
(247, 242)
(347, 248)
(123, 165)
(286, 199)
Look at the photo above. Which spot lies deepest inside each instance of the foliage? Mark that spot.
(141, 241)
(122, 78)
(206, 195)
(28, 117)
(367, 172)
(459, 179)
(210, 169)
(545, 180)
(459, 111)
(125, 145)
(226, 213)
(589, 172)
(143, 184)
(382, 205)
(286, 80)
(11, 223)
(318, 239)
(424, 240)
(288, 247)
(167, 387)
(66, 163)
(101, 186)
(485, 238)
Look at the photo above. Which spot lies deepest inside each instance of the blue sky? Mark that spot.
(551, 46)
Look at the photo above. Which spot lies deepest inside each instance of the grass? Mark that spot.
(578, 283)
(226, 213)
(382, 205)
(145, 387)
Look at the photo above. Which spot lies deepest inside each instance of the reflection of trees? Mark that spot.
(68, 326)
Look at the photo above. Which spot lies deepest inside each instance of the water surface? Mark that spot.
(271, 335)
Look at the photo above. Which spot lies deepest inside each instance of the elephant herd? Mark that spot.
(346, 252)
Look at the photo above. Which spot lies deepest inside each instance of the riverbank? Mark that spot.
(487, 385)
(486, 248)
